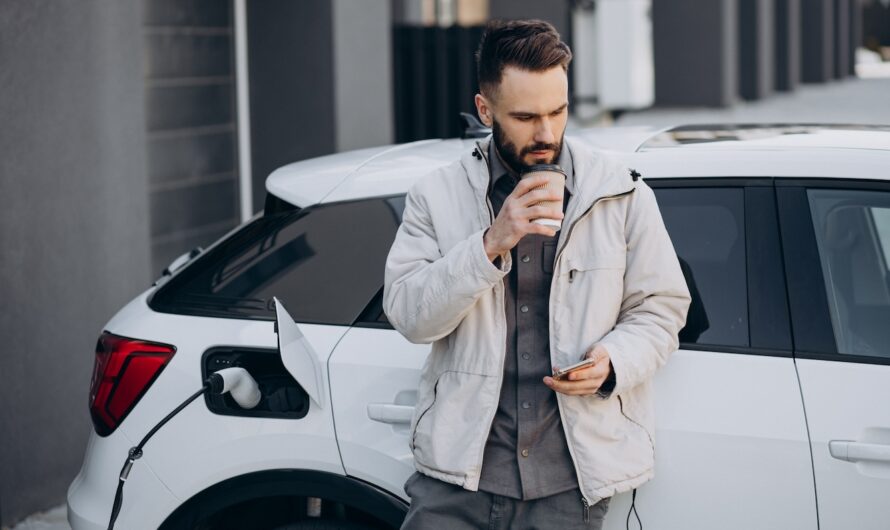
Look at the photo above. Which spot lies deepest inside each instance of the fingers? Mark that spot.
(529, 183)
(535, 196)
(585, 387)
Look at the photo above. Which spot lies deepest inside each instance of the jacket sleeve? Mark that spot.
(426, 294)
(655, 300)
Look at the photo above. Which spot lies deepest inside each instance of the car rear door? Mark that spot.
(731, 442)
(836, 237)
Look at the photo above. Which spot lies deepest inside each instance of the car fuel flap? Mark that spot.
(298, 356)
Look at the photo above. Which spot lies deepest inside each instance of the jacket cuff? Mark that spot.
(491, 271)
(608, 386)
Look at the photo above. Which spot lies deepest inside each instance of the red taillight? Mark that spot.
(123, 371)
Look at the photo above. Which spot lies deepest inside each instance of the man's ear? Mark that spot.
(483, 108)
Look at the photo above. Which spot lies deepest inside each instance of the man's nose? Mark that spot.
(544, 132)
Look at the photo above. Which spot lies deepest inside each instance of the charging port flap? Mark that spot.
(298, 356)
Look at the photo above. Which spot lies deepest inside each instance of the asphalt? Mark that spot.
(850, 101)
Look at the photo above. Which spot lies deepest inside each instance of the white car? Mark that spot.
(774, 413)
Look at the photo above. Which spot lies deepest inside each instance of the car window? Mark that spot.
(853, 237)
(707, 228)
(324, 262)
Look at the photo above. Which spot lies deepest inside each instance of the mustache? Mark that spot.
(538, 147)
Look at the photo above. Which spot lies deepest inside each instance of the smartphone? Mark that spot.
(562, 374)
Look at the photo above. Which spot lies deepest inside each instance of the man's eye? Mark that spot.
(524, 118)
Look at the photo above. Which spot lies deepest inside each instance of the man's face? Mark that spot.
(528, 115)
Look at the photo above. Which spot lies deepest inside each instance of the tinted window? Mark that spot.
(707, 228)
(853, 237)
(326, 263)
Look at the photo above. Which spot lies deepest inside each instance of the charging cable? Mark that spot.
(237, 381)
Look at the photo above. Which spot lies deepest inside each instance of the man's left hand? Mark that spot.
(587, 381)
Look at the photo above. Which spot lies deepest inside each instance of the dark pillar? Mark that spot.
(695, 48)
(841, 38)
(555, 12)
(817, 41)
(291, 63)
(787, 71)
(856, 33)
(756, 48)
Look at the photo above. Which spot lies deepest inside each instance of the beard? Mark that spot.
(513, 157)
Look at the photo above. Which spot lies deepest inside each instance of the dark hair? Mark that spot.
(532, 45)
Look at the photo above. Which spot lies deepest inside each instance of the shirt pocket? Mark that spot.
(548, 254)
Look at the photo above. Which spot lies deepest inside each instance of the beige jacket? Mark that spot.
(616, 282)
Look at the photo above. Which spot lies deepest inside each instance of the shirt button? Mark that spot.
(526, 404)
(525, 452)
(526, 259)
(523, 308)
(526, 356)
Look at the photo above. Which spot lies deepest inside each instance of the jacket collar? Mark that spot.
(595, 176)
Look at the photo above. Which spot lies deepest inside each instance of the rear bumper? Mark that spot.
(146, 501)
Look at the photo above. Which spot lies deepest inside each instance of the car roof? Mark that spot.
(744, 150)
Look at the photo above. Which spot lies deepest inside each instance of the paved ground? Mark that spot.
(859, 101)
(55, 519)
(865, 101)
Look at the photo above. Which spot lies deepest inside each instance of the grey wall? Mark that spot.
(73, 226)
(191, 124)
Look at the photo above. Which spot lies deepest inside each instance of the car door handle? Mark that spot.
(390, 413)
(852, 451)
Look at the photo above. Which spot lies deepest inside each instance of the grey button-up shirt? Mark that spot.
(526, 455)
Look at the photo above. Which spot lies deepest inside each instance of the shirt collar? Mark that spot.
(499, 169)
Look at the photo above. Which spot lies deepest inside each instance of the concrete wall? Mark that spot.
(73, 226)
(363, 80)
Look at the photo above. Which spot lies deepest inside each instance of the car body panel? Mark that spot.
(197, 448)
(848, 402)
(376, 368)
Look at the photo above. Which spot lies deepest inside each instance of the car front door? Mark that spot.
(731, 442)
(836, 237)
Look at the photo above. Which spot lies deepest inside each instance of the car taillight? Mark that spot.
(123, 370)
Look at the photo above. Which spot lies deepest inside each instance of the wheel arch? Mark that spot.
(342, 489)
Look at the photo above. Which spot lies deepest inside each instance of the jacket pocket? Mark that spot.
(449, 434)
(424, 413)
(636, 424)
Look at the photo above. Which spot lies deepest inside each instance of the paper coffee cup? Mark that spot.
(556, 181)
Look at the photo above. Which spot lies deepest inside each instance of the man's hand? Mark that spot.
(514, 220)
(586, 381)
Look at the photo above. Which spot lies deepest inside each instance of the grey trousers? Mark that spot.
(439, 505)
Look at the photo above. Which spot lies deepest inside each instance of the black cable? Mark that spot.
(135, 453)
(633, 508)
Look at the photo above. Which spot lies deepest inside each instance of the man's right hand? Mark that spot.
(514, 220)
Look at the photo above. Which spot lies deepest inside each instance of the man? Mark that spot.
(497, 441)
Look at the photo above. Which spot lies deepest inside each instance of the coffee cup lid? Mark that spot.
(542, 167)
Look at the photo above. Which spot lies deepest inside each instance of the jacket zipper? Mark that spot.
(484, 158)
(584, 502)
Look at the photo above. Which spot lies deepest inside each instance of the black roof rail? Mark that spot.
(474, 128)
